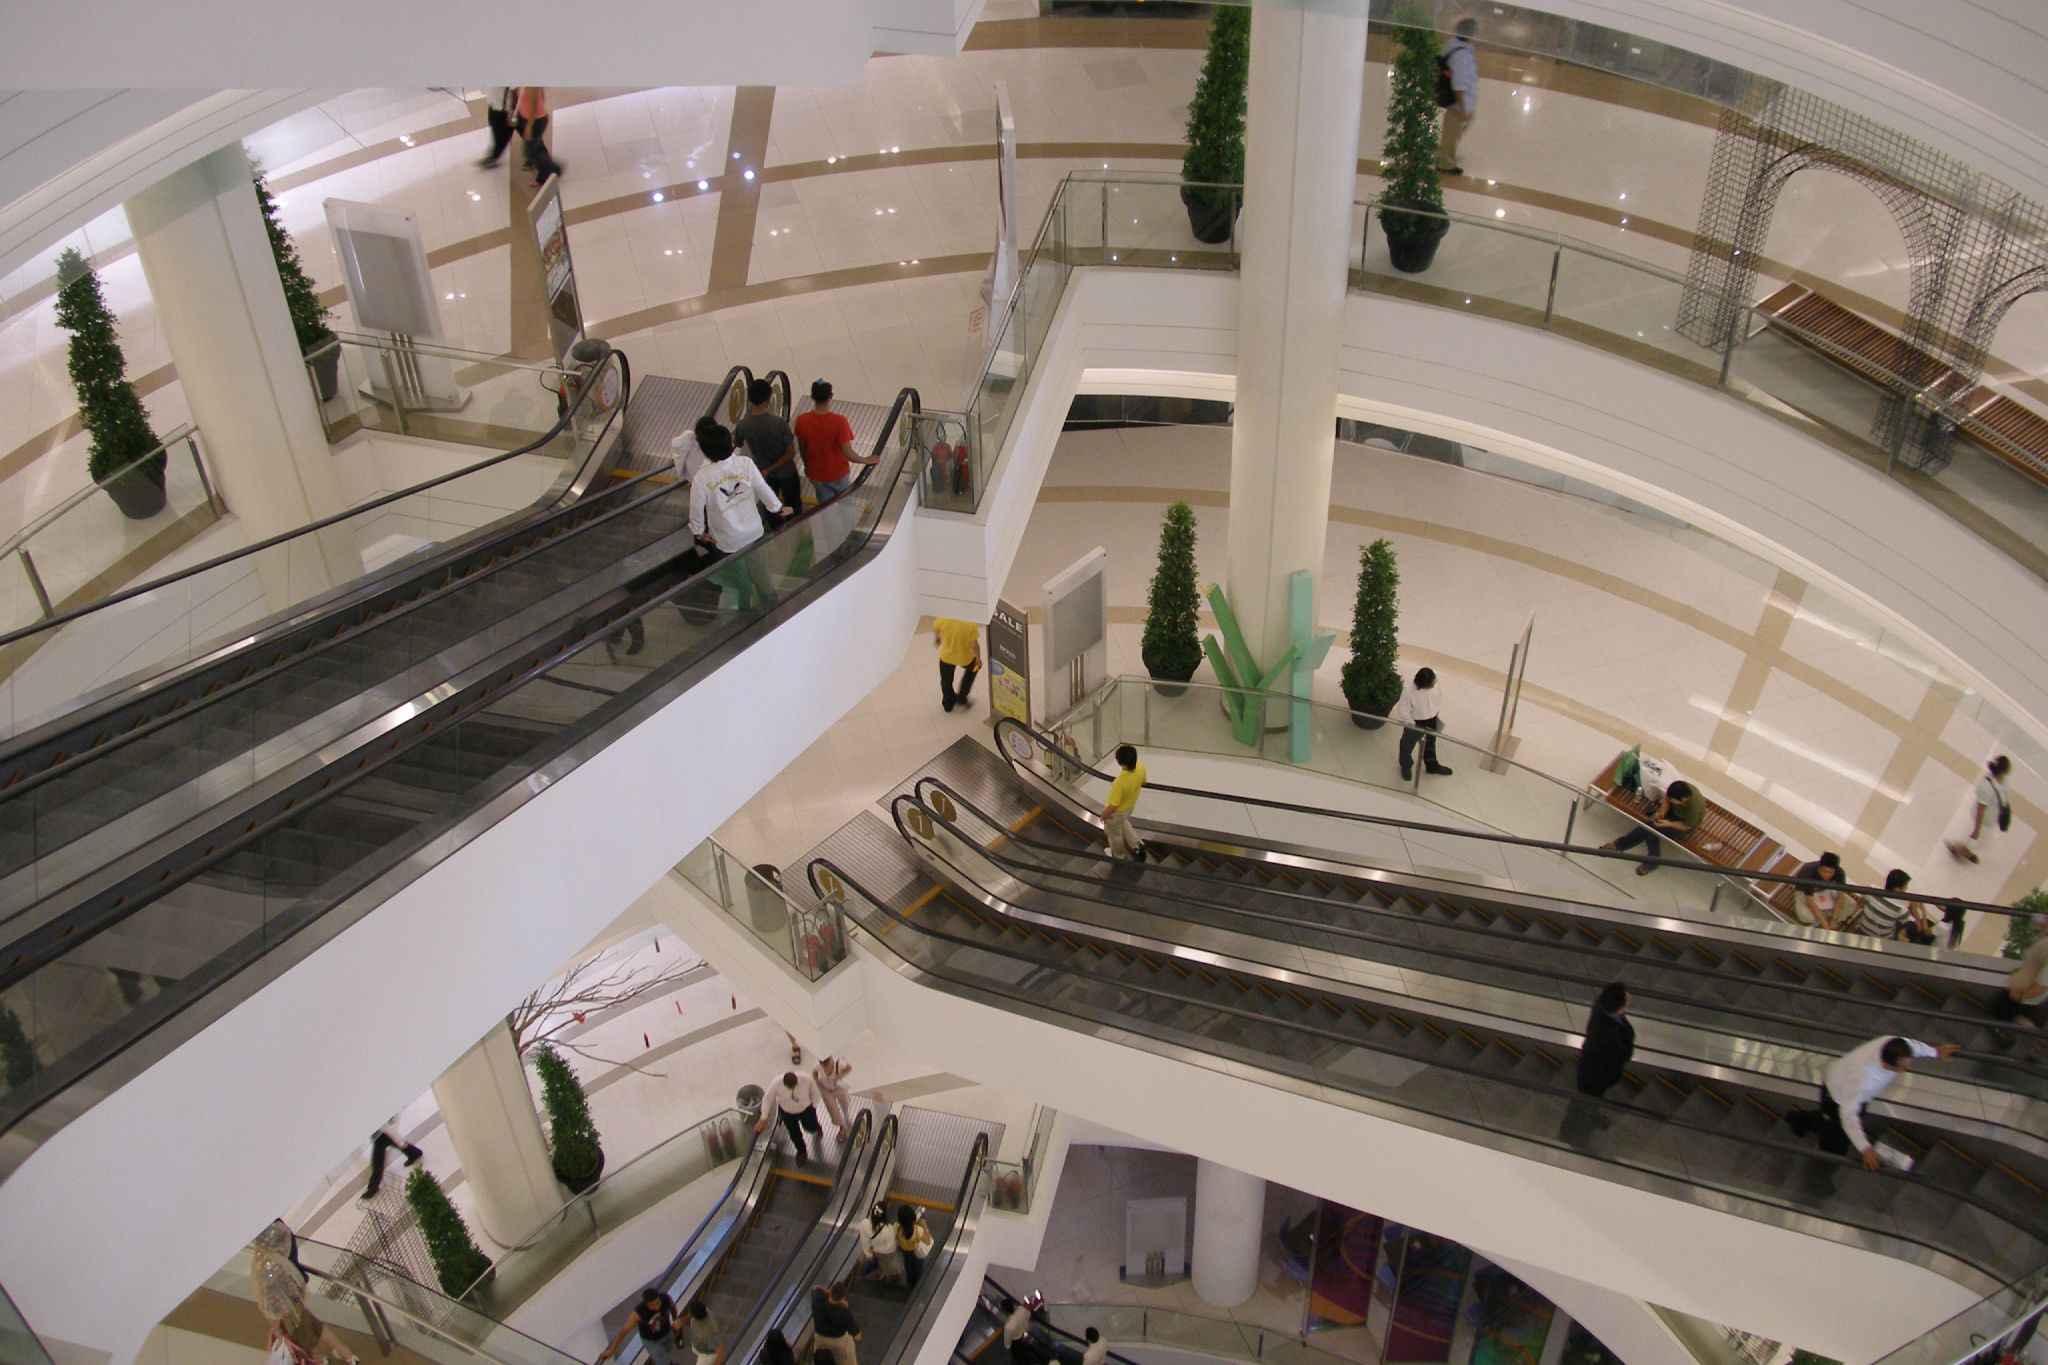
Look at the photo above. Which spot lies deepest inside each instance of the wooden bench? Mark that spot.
(2010, 430)
(1724, 839)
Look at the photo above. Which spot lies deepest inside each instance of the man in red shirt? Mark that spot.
(826, 440)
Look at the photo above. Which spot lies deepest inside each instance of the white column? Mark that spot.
(204, 250)
(489, 1111)
(1230, 1212)
(1301, 160)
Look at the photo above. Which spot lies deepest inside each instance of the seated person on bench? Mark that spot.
(1677, 816)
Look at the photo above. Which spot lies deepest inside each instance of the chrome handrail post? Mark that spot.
(35, 581)
(205, 483)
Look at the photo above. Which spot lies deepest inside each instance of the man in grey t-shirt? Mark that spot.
(771, 444)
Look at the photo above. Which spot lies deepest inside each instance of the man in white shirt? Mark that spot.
(726, 498)
(1852, 1081)
(1096, 1351)
(1463, 62)
(794, 1100)
(1416, 712)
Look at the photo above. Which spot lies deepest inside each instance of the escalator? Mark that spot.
(744, 1248)
(1703, 981)
(892, 1318)
(102, 781)
(119, 956)
(1710, 1135)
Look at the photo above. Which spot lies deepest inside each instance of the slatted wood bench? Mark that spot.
(2010, 430)
(1726, 840)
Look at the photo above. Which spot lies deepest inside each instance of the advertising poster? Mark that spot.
(1009, 664)
(557, 271)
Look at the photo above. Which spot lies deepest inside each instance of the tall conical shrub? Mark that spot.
(1372, 675)
(1215, 154)
(309, 315)
(108, 407)
(1172, 646)
(572, 1137)
(457, 1260)
(1410, 151)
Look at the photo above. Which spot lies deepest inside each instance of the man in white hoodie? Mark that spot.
(726, 498)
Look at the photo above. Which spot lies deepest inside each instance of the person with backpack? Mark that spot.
(726, 498)
(1457, 93)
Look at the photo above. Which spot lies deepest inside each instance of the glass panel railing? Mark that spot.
(1996, 1327)
(616, 1200)
(811, 939)
(133, 633)
(104, 533)
(420, 388)
(308, 854)
(18, 1341)
(376, 1311)
(1560, 823)
(1012, 1185)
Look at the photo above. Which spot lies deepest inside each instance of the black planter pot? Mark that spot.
(1412, 239)
(1368, 720)
(1168, 684)
(326, 367)
(139, 494)
(1209, 219)
(580, 1185)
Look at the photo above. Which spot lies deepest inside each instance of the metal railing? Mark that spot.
(1013, 1185)
(1530, 823)
(811, 939)
(408, 387)
(96, 549)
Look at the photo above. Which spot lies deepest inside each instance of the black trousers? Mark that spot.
(1409, 738)
(1833, 1138)
(796, 1124)
(1641, 836)
(788, 485)
(949, 694)
(380, 1152)
(536, 148)
(501, 133)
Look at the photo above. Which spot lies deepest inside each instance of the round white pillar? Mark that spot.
(1230, 1214)
(488, 1107)
(204, 249)
(1301, 167)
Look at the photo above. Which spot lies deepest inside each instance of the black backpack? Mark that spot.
(1445, 95)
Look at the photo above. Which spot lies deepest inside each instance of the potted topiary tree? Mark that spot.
(1408, 160)
(458, 1264)
(108, 407)
(1172, 646)
(2020, 932)
(572, 1138)
(309, 315)
(1215, 155)
(1372, 676)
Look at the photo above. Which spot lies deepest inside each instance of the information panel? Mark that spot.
(1009, 664)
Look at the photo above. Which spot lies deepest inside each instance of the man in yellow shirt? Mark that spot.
(959, 645)
(1123, 799)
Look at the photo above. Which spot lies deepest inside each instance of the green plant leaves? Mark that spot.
(1171, 647)
(1372, 676)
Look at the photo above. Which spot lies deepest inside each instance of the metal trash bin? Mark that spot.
(748, 1102)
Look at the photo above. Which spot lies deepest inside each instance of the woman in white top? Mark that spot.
(1991, 795)
(878, 1243)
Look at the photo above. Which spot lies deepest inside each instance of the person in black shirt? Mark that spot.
(833, 1327)
(775, 1349)
(1610, 1042)
(655, 1318)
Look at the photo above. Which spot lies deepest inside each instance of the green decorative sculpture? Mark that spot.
(1245, 702)
(1309, 652)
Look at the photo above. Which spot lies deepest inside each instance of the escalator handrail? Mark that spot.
(1201, 878)
(81, 719)
(383, 500)
(1995, 1212)
(787, 1292)
(1054, 1329)
(1045, 744)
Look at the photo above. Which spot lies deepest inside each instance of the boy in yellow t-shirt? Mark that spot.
(1123, 799)
(959, 645)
